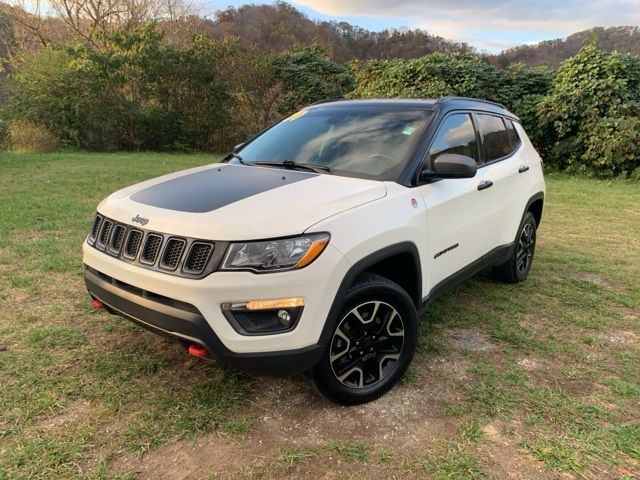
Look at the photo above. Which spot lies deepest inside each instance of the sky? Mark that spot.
(488, 25)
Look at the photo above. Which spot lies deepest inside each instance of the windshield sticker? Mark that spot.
(408, 130)
(296, 115)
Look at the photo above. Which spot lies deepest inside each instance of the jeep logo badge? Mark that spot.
(138, 219)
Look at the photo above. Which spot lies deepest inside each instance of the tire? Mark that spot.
(371, 345)
(516, 269)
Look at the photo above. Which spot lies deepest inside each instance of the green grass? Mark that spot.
(353, 450)
(80, 390)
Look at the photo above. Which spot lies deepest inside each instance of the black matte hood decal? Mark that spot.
(216, 187)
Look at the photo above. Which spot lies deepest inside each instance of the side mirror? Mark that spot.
(450, 165)
(238, 147)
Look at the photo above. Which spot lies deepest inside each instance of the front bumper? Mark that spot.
(189, 310)
(188, 327)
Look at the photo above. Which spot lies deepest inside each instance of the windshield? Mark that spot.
(363, 142)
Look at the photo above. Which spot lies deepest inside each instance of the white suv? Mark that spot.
(314, 246)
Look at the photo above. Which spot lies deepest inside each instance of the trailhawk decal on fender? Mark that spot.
(448, 249)
(217, 187)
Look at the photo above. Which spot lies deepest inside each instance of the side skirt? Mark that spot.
(495, 257)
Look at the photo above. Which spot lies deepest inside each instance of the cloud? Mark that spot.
(491, 24)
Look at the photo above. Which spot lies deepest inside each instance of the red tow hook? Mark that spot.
(196, 350)
(96, 304)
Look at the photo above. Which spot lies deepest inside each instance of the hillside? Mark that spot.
(553, 52)
(280, 26)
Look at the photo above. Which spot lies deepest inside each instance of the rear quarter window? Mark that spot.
(514, 138)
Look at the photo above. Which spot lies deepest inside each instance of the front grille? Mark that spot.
(198, 257)
(151, 249)
(133, 244)
(117, 238)
(95, 228)
(172, 253)
(181, 256)
(105, 233)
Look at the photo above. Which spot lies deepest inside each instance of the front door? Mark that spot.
(456, 211)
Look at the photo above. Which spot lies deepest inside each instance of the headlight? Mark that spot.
(274, 255)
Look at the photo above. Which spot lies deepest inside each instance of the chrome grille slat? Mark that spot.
(117, 238)
(134, 240)
(151, 249)
(172, 253)
(95, 228)
(105, 233)
(198, 257)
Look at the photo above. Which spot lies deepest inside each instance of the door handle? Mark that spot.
(523, 168)
(485, 184)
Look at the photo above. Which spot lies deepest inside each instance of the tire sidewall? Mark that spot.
(394, 295)
(528, 219)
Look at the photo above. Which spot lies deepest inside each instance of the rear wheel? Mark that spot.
(371, 345)
(516, 269)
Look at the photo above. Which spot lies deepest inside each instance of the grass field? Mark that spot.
(538, 380)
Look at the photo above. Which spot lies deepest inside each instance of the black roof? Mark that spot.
(445, 104)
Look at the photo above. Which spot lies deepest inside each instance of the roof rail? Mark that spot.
(453, 97)
(327, 100)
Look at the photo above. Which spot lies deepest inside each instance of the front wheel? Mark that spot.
(372, 343)
(516, 269)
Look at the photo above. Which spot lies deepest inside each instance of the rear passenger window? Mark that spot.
(495, 138)
(456, 135)
(513, 135)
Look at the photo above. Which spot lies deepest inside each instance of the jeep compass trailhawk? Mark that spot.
(312, 247)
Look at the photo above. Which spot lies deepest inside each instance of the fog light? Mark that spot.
(285, 318)
(263, 317)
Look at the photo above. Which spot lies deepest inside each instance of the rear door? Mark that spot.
(457, 217)
(504, 180)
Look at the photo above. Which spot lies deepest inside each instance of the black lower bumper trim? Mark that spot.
(189, 326)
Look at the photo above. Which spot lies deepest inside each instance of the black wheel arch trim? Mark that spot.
(535, 198)
(359, 268)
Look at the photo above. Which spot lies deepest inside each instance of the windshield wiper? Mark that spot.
(239, 158)
(291, 165)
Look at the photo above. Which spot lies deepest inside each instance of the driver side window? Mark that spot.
(456, 135)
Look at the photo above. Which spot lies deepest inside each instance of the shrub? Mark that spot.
(521, 91)
(26, 136)
(307, 76)
(431, 76)
(136, 92)
(592, 113)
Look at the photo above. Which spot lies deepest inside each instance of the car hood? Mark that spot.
(235, 202)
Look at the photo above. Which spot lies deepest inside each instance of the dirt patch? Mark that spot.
(503, 458)
(450, 366)
(76, 411)
(625, 337)
(591, 278)
(291, 415)
(529, 364)
(470, 340)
